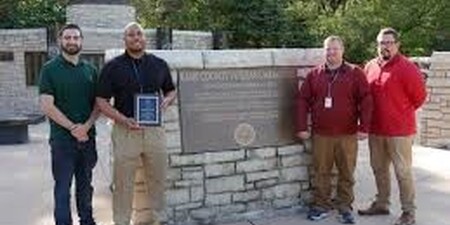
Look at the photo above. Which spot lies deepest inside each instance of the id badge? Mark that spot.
(328, 102)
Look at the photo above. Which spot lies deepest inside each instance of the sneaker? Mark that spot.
(407, 218)
(317, 214)
(373, 210)
(346, 218)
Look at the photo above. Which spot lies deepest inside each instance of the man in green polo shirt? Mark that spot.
(67, 97)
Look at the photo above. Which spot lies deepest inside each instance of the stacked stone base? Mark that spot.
(230, 186)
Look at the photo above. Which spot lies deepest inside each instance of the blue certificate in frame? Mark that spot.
(147, 110)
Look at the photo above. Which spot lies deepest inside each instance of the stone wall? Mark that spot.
(236, 184)
(102, 26)
(435, 122)
(15, 96)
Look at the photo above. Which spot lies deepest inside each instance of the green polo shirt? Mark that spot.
(73, 89)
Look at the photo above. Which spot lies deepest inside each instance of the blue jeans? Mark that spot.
(71, 158)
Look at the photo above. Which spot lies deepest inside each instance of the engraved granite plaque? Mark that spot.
(237, 108)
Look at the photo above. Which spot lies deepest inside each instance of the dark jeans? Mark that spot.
(71, 158)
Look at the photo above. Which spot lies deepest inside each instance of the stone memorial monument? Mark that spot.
(230, 144)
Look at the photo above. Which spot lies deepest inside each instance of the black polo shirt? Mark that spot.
(123, 77)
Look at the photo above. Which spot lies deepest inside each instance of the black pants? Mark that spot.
(71, 158)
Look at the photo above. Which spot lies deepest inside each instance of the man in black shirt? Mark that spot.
(135, 72)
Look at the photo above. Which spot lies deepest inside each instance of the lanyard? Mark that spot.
(138, 76)
(335, 74)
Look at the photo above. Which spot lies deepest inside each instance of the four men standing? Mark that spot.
(345, 104)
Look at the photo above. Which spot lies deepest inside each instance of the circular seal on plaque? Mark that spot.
(244, 134)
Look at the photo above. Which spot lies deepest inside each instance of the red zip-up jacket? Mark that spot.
(398, 90)
(351, 101)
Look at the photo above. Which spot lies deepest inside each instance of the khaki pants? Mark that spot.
(327, 151)
(129, 147)
(398, 150)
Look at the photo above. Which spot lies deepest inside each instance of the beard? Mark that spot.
(135, 50)
(71, 49)
(132, 48)
(333, 59)
(385, 54)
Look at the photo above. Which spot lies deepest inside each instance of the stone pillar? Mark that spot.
(424, 64)
(435, 130)
(112, 14)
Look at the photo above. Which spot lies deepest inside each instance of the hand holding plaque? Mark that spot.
(147, 109)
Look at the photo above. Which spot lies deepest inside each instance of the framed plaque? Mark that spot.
(147, 110)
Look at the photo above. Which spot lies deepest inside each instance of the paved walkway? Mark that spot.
(26, 185)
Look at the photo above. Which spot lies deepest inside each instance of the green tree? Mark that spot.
(6, 13)
(32, 13)
(250, 24)
(423, 24)
(358, 22)
(256, 23)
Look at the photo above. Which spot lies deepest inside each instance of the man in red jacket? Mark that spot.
(337, 95)
(398, 90)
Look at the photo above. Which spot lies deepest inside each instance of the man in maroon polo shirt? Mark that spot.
(337, 95)
(398, 90)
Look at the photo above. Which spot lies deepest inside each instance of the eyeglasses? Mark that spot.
(386, 43)
(333, 49)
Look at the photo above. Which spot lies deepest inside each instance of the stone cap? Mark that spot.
(221, 59)
(23, 39)
(440, 61)
(190, 32)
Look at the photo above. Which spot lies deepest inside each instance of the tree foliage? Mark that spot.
(420, 22)
(423, 24)
(31, 13)
(300, 23)
(256, 23)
